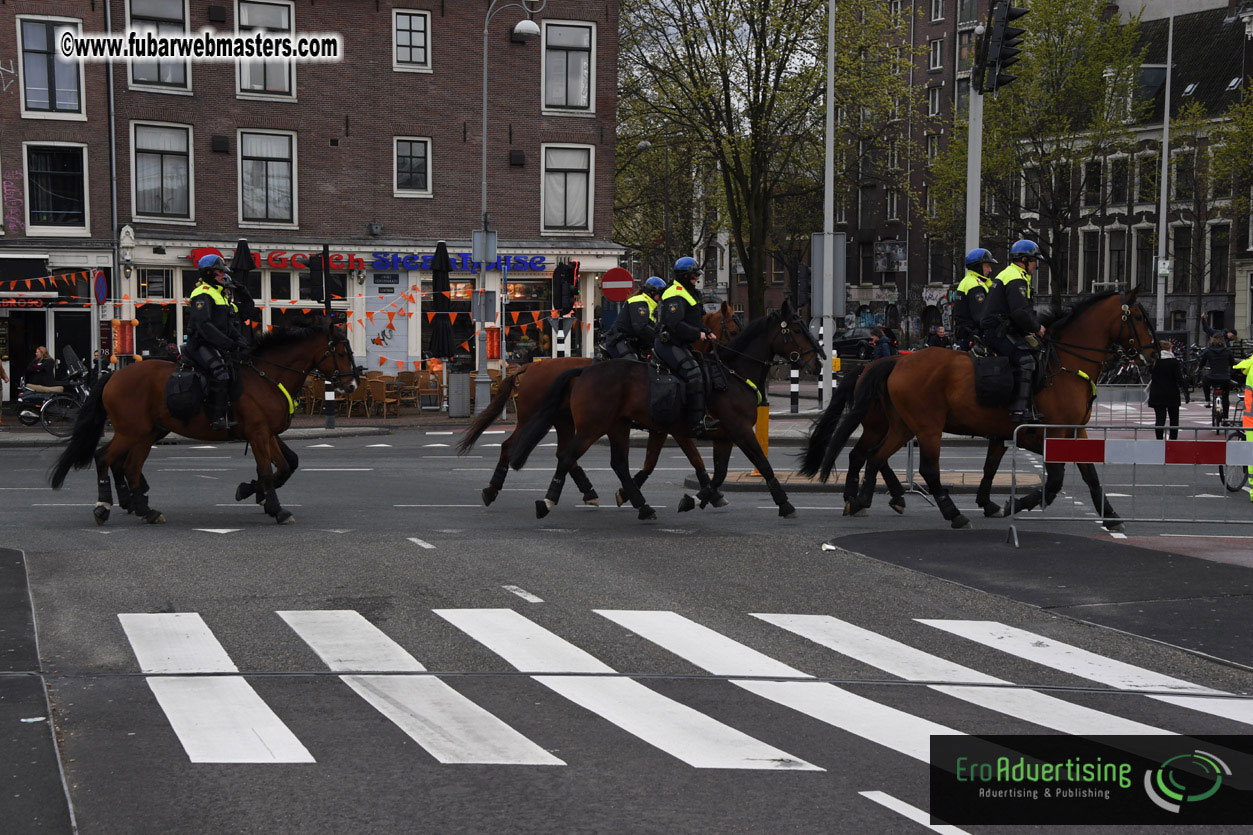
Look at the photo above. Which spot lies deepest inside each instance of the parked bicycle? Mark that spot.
(57, 411)
(1234, 478)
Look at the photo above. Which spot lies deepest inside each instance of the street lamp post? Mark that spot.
(525, 30)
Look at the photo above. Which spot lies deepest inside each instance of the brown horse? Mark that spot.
(932, 392)
(612, 396)
(133, 398)
(529, 385)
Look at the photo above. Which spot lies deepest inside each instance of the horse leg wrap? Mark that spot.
(946, 506)
(272, 506)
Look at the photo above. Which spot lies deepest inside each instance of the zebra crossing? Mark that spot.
(218, 717)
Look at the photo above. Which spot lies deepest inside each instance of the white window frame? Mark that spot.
(429, 191)
(240, 93)
(935, 48)
(160, 88)
(1104, 193)
(1157, 164)
(1091, 282)
(1208, 282)
(1127, 252)
(893, 206)
(136, 215)
(397, 65)
(894, 8)
(295, 181)
(83, 231)
(1133, 235)
(1107, 185)
(545, 109)
(174, 288)
(933, 101)
(591, 190)
(1175, 156)
(932, 145)
(81, 114)
(937, 6)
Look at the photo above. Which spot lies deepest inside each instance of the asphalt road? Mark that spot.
(403, 658)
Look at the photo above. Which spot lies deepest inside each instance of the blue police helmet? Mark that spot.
(1024, 249)
(211, 262)
(686, 264)
(656, 283)
(979, 256)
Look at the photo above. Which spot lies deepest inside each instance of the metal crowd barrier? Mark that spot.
(1203, 477)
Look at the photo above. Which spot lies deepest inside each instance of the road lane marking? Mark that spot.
(218, 719)
(835, 706)
(912, 812)
(1079, 662)
(1117, 535)
(219, 530)
(320, 446)
(435, 505)
(904, 661)
(194, 470)
(202, 447)
(421, 543)
(676, 729)
(441, 432)
(449, 726)
(523, 593)
(337, 469)
(372, 446)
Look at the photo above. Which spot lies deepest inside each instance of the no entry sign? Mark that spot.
(617, 284)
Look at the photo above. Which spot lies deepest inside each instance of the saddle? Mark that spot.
(666, 391)
(994, 378)
(188, 387)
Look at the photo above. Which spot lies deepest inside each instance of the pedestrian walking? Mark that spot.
(4, 378)
(1166, 386)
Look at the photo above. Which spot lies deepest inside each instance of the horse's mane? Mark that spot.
(282, 337)
(1064, 318)
(751, 331)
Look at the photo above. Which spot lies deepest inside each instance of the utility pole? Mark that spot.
(827, 324)
(974, 146)
(1163, 267)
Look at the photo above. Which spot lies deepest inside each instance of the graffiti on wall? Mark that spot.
(12, 200)
(8, 76)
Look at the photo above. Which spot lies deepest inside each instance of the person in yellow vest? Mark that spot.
(215, 330)
(971, 293)
(635, 329)
(1246, 365)
(1010, 326)
(681, 324)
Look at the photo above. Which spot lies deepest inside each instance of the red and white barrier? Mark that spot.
(1125, 451)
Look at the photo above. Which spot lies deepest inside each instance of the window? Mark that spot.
(1178, 320)
(937, 263)
(1185, 176)
(867, 263)
(266, 77)
(933, 146)
(931, 204)
(1092, 183)
(1117, 267)
(894, 8)
(412, 171)
(963, 95)
(411, 43)
(1091, 258)
(1183, 259)
(56, 188)
(1146, 189)
(267, 171)
(967, 10)
(156, 284)
(965, 50)
(933, 101)
(567, 188)
(162, 166)
(1060, 266)
(1118, 173)
(568, 66)
(893, 206)
(1032, 188)
(937, 9)
(937, 54)
(778, 270)
(161, 18)
(894, 156)
(1145, 274)
(1220, 186)
(50, 84)
(1219, 246)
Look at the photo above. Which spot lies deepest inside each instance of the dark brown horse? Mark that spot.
(133, 398)
(612, 396)
(932, 392)
(532, 381)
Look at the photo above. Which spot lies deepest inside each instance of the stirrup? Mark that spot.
(222, 424)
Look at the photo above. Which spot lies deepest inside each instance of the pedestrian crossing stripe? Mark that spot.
(219, 718)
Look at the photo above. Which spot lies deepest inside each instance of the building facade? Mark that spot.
(137, 167)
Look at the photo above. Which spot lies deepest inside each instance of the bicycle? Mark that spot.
(59, 412)
(1234, 477)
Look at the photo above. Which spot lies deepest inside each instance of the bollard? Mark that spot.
(763, 432)
(330, 404)
(822, 340)
(795, 375)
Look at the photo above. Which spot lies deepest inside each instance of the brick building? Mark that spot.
(377, 155)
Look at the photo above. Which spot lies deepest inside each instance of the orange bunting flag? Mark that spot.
(400, 364)
(382, 360)
(514, 314)
(391, 319)
(430, 317)
(535, 314)
(43, 282)
(269, 327)
(452, 317)
(524, 327)
(306, 310)
(369, 314)
(554, 313)
(28, 283)
(465, 345)
(417, 365)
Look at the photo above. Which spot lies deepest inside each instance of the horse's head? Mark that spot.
(1135, 332)
(723, 323)
(337, 364)
(793, 340)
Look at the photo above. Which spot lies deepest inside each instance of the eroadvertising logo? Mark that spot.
(1068, 780)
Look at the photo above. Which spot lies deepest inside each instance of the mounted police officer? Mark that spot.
(970, 295)
(1009, 324)
(215, 329)
(635, 329)
(680, 326)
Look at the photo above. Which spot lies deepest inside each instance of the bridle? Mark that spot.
(780, 358)
(1125, 330)
(337, 379)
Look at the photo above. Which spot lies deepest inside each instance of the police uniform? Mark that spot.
(971, 294)
(635, 329)
(215, 328)
(1008, 318)
(680, 322)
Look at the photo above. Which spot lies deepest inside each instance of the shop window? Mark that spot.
(336, 285)
(157, 329)
(156, 284)
(280, 286)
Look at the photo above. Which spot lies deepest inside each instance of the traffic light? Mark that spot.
(317, 278)
(565, 276)
(1003, 46)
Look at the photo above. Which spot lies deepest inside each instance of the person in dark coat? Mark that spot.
(1215, 369)
(1166, 385)
(939, 339)
(882, 347)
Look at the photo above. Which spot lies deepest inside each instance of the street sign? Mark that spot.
(1163, 268)
(101, 287)
(483, 306)
(483, 245)
(617, 284)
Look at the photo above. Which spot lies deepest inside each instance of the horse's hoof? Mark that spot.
(721, 501)
(617, 497)
(787, 511)
(1005, 511)
(489, 496)
(285, 517)
(898, 505)
(154, 517)
(101, 512)
(244, 490)
(541, 508)
(594, 501)
(861, 512)
(960, 522)
(992, 511)
(1115, 527)
(260, 497)
(647, 514)
(686, 503)
(848, 507)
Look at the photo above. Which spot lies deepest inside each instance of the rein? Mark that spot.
(1057, 346)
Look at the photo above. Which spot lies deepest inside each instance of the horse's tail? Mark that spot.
(868, 392)
(824, 427)
(529, 434)
(80, 450)
(488, 415)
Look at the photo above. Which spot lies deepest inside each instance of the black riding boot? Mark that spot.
(215, 408)
(1020, 410)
